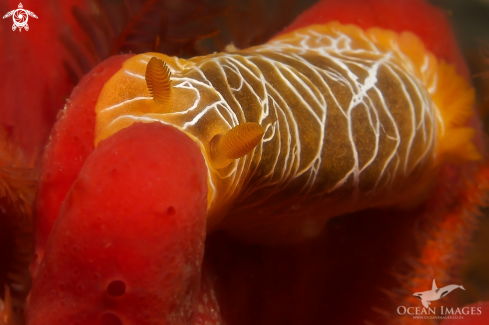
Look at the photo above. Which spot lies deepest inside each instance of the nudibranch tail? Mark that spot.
(235, 143)
(454, 99)
(158, 80)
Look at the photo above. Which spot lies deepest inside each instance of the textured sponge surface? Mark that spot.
(128, 244)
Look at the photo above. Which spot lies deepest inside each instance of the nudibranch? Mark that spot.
(330, 119)
(266, 143)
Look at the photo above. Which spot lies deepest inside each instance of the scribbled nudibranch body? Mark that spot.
(351, 119)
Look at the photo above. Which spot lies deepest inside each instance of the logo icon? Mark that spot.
(435, 293)
(20, 17)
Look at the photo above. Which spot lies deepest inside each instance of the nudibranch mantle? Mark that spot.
(349, 116)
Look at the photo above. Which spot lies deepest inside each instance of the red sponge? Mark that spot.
(71, 141)
(128, 244)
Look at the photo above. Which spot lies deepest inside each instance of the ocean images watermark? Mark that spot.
(427, 312)
(20, 16)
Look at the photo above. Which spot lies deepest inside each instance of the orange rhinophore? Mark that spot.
(235, 143)
(158, 81)
(355, 123)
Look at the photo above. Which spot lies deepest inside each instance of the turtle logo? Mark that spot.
(20, 17)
